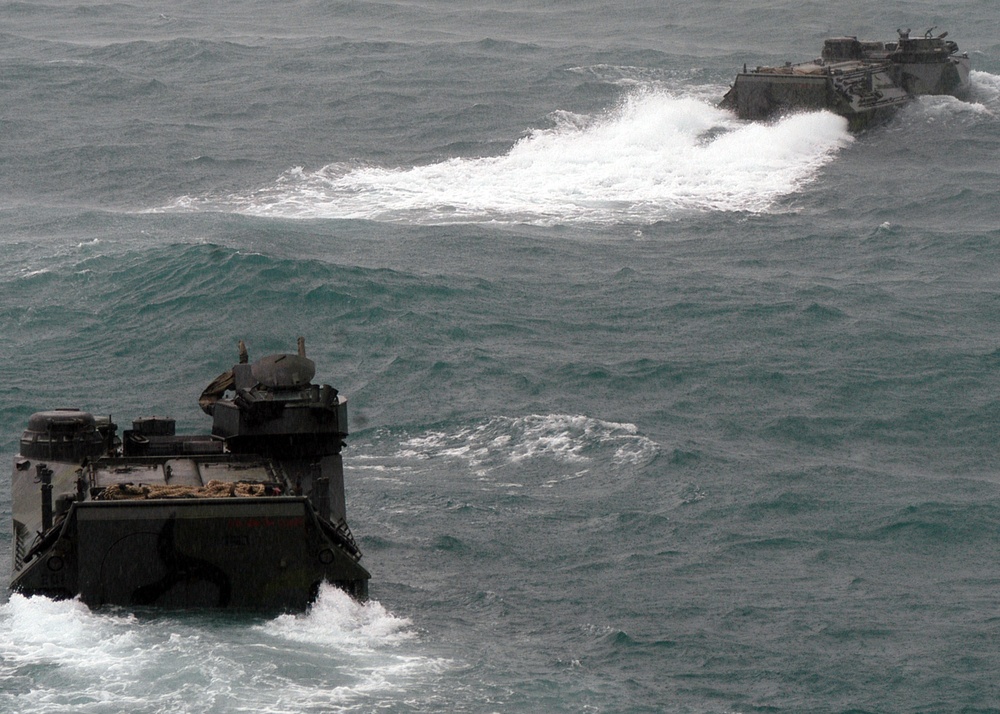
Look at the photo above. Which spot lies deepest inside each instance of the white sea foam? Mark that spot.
(337, 621)
(500, 441)
(653, 157)
(40, 630)
(982, 103)
(62, 657)
(944, 107)
(985, 89)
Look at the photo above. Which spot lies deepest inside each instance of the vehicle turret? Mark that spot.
(272, 407)
(62, 435)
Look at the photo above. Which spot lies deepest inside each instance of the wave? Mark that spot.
(653, 157)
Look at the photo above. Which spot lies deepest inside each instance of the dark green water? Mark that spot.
(652, 410)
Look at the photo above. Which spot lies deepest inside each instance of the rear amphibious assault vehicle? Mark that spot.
(251, 516)
(865, 82)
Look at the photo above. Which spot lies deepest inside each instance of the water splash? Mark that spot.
(62, 657)
(336, 621)
(985, 90)
(982, 105)
(650, 159)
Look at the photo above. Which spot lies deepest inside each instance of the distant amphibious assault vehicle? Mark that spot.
(862, 81)
(250, 517)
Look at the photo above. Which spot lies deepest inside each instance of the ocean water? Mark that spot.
(653, 410)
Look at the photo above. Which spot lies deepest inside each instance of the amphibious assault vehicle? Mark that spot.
(251, 516)
(863, 81)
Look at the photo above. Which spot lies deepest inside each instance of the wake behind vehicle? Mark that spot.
(251, 516)
(863, 81)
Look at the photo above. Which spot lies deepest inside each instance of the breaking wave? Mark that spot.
(650, 159)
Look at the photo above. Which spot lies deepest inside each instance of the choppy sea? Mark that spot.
(652, 410)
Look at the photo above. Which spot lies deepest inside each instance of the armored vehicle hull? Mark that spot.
(250, 517)
(865, 82)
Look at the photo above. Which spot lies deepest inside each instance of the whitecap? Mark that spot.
(564, 438)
